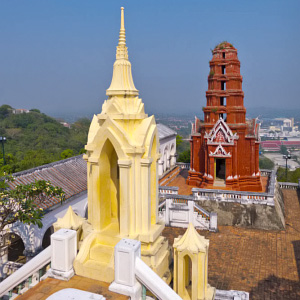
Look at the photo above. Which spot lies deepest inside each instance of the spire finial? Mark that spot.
(122, 82)
(122, 52)
(122, 38)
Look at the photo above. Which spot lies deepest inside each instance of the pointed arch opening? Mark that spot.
(187, 269)
(16, 248)
(165, 158)
(173, 155)
(47, 237)
(109, 191)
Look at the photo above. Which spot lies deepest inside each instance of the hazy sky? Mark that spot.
(59, 54)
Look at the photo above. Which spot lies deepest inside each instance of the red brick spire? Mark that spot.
(225, 97)
(225, 146)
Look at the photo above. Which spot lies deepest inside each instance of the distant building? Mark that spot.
(17, 111)
(275, 145)
(65, 124)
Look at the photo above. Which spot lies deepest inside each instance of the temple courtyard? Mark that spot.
(264, 263)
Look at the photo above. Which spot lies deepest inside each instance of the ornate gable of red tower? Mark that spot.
(220, 134)
(225, 146)
(220, 152)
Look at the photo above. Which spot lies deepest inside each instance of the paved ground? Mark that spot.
(185, 189)
(280, 161)
(264, 263)
(49, 286)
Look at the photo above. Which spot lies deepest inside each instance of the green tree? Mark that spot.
(292, 176)
(67, 153)
(178, 140)
(11, 164)
(82, 151)
(266, 163)
(35, 110)
(21, 203)
(5, 110)
(185, 156)
(34, 158)
(283, 150)
(35, 139)
(183, 146)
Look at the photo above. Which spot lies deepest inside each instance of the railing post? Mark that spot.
(213, 221)
(125, 283)
(22, 279)
(191, 211)
(64, 248)
(167, 217)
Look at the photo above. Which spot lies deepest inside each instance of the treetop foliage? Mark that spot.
(292, 176)
(266, 163)
(35, 139)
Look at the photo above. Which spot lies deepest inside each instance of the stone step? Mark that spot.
(108, 240)
(98, 271)
(102, 253)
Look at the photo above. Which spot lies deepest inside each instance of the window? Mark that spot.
(223, 116)
(223, 85)
(223, 101)
(223, 69)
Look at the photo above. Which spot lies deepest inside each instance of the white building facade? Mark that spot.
(167, 149)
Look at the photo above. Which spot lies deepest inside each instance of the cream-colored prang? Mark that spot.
(190, 266)
(122, 155)
(70, 221)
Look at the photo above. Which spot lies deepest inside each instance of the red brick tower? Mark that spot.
(225, 146)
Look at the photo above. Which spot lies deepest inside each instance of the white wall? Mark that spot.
(167, 149)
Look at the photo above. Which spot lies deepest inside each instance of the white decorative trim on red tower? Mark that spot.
(220, 152)
(220, 134)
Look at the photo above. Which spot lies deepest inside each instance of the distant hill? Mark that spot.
(35, 139)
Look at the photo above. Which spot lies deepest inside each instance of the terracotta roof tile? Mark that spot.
(69, 174)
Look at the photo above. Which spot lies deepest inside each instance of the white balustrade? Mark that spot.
(30, 273)
(133, 276)
(153, 282)
(179, 211)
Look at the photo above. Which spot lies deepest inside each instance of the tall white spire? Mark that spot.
(122, 82)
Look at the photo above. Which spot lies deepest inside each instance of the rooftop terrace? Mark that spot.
(179, 180)
(264, 263)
